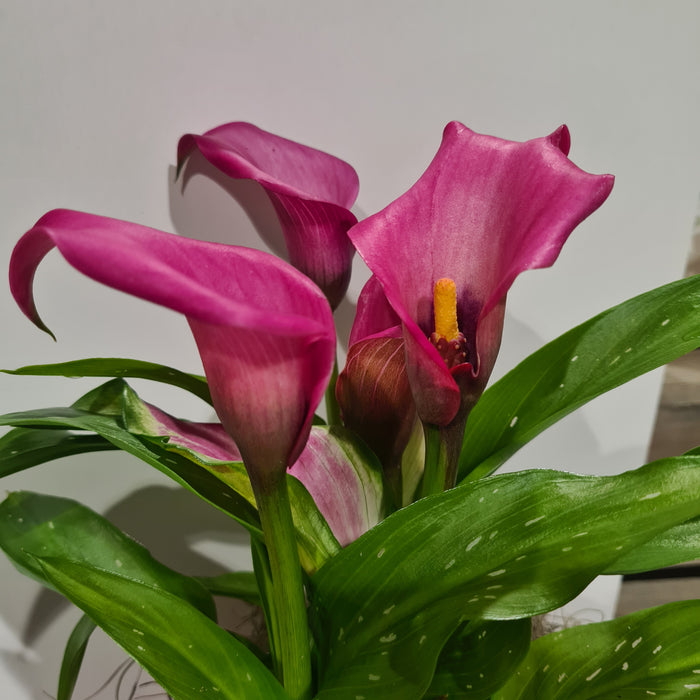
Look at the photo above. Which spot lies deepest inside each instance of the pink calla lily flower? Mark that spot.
(312, 193)
(264, 331)
(484, 211)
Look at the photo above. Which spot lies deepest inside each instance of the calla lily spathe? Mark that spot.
(485, 210)
(311, 191)
(264, 331)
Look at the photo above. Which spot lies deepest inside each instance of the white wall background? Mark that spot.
(95, 95)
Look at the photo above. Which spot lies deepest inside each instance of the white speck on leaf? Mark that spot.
(473, 543)
(493, 534)
(620, 645)
(636, 642)
(657, 650)
(388, 638)
(372, 677)
(533, 521)
(118, 562)
(665, 322)
(389, 609)
(574, 358)
(594, 674)
(566, 549)
(51, 525)
(449, 564)
(625, 666)
(649, 496)
(498, 572)
(380, 553)
(581, 534)
(422, 639)
(561, 678)
(513, 422)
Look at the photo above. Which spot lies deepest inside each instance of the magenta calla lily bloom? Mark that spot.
(312, 193)
(264, 331)
(484, 211)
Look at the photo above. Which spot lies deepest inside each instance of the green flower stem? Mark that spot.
(436, 462)
(332, 407)
(290, 623)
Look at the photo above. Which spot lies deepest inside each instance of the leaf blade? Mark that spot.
(608, 350)
(505, 547)
(120, 367)
(184, 651)
(652, 652)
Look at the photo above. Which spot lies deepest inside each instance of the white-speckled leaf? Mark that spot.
(601, 354)
(505, 547)
(652, 653)
(184, 651)
(37, 525)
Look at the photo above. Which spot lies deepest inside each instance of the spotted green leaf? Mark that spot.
(33, 524)
(183, 650)
(651, 653)
(614, 347)
(177, 467)
(503, 547)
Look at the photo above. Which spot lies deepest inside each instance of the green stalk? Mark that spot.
(290, 623)
(332, 407)
(436, 462)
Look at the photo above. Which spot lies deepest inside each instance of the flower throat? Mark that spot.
(447, 338)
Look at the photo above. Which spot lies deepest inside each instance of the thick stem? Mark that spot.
(443, 445)
(288, 598)
(436, 466)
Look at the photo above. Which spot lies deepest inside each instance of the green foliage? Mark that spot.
(73, 657)
(614, 347)
(120, 367)
(655, 652)
(504, 547)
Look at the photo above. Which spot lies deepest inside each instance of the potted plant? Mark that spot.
(390, 560)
